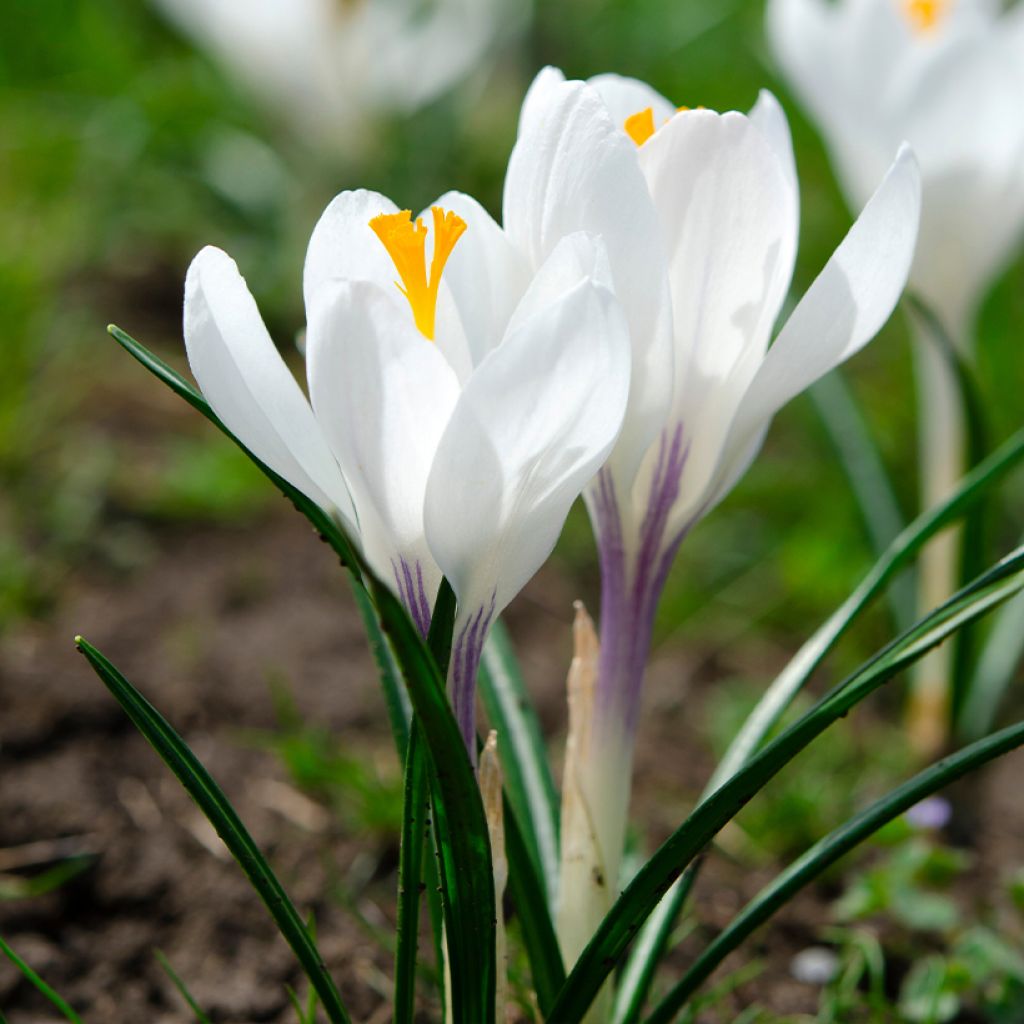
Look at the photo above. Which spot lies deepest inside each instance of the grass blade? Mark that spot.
(678, 851)
(649, 948)
(529, 784)
(38, 984)
(176, 754)
(795, 675)
(997, 664)
(862, 463)
(464, 850)
(183, 991)
(538, 930)
(410, 874)
(825, 853)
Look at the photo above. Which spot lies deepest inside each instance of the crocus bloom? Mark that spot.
(699, 213)
(948, 75)
(459, 401)
(327, 63)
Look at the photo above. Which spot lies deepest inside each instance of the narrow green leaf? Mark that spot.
(825, 853)
(795, 675)
(529, 785)
(201, 1018)
(38, 984)
(862, 462)
(538, 930)
(653, 880)
(997, 664)
(649, 948)
(442, 626)
(13, 887)
(464, 849)
(176, 754)
(410, 874)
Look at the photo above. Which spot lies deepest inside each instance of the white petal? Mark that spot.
(577, 257)
(485, 275)
(344, 248)
(573, 169)
(246, 382)
(844, 308)
(729, 217)
(533, 425)
(383, 395)
(627, 96)
(538, 96)
(768, 115)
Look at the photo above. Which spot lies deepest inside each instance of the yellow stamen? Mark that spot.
(924, 15)
(405, 241)
(640, 126)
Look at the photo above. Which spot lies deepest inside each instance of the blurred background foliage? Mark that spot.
(124, 150)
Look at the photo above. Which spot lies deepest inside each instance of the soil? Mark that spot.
(214, 615)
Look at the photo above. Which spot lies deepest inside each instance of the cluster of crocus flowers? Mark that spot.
(699, 214)
(459, 400)
(467, 381)
(948, 76)
(328, 64)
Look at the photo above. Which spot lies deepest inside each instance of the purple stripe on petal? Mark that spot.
(631, 586)
(466, 654)
(411, 594)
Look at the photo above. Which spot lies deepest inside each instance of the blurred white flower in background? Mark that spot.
(327, 65)
(947, 76)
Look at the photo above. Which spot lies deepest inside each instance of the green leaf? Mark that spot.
(464, 850)
(529, 785)
(410, 874)
(538, 930)
(38, 984)
(826, 852)
(13, 887)
(652, 881)
(176, 754)
(201, 1018)
(649, 948)
(994, 673)
(862, 462)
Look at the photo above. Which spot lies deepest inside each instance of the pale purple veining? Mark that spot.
(631, 584)
(466, 654)
(412, 593)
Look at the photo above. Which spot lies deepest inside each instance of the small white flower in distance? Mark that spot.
(947, 76)
(459, 402)
(326, 64)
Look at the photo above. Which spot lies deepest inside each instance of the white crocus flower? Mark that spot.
(325, 64)
(948, 75)
(459, 400)
(699, 212)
